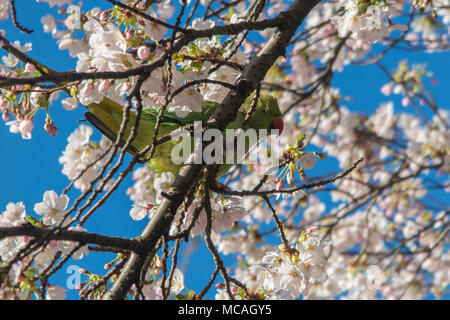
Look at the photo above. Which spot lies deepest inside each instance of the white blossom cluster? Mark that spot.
(287, 273)
(367, 23)
(53, 212)
(83, 159)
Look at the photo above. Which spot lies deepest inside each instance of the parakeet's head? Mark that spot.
(267, 114)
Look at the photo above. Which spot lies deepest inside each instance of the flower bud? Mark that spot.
(220, 285)
(87, 90)
(303, 176)
(83, 271)
(5, 115)
(279, 185)
(288, 148)
(127, 86)
(387, 88)
(41, 101)
(74, 91)
(143, 52)
(104, 15)
(78, 286)
(290, 178)
(3, 102)
(50, 127)
(104, 86)
(51, 130)
(405, 101)
(130, 191)
(434, 15)
(320, 155)
(311, 229)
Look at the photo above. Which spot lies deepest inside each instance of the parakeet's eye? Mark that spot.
(264, 110)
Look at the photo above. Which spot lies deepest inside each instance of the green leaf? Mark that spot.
(196, 66)
(177, 57)
(35, 222)
(300, 139)
(302, 236)
(195, 50)
(126, 63)
(74, 92)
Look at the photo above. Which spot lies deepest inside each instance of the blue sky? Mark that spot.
(30, 167)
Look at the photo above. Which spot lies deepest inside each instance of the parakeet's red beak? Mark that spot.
(277, 123)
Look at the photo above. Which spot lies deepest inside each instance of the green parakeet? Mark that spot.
(107, 117)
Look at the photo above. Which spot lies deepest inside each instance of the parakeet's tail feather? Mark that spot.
(100, 126)
(106, 131)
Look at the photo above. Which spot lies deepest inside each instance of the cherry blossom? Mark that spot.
(308, 161)
(14, 213)
(52, 208)
(56, 293)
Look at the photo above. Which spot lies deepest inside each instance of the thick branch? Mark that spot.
(71, 235)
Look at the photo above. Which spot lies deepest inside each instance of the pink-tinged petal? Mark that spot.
(138, 213)
(41, 208)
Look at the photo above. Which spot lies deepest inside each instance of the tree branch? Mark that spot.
(71, 235)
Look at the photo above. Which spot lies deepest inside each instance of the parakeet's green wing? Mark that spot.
(161, 161)
(107, 117)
